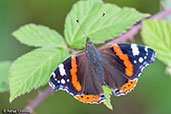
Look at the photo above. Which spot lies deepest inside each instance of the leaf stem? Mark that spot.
(123, 38)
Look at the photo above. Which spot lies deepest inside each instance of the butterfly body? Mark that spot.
(94, 59)
(118, 66)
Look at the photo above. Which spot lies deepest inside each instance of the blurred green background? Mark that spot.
(151, 96)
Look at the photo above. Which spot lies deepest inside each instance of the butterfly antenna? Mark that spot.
(82, 28)
(98, 25)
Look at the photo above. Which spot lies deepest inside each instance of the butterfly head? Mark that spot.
(89, 45)
(88, 42)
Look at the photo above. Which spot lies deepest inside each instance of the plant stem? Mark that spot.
(123, 38)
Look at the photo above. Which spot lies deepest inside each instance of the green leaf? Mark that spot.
(39, 36)
(157, 35)
(89, 13)
(33, 69)
(107, 92)
(4, 67)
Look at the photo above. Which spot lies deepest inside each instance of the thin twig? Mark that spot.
(41, 95)
(123, 38)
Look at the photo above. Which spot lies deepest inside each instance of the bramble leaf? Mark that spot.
(107, 92)
(4, 67)
(89, 13)
(39, 36)
(33, 69)
(157, 35)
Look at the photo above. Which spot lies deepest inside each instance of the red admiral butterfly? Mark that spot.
(118, 66)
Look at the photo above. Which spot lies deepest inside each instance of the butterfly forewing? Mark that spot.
(123, 64)
(77, 77)
(62, 78)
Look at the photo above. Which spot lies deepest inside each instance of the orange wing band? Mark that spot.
(73, 72)
(125, 59)
(88, 98)
(128, 86)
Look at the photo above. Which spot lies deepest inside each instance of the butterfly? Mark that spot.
(118, 66)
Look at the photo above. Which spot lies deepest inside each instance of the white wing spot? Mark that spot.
(53, 74)
(67, 80)
(55, 79)
(145, 57)
(140, 59)
(63, 81)
(146, 48)
(59, 81)
(62, 70)
(135, 50)
(135, 61)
